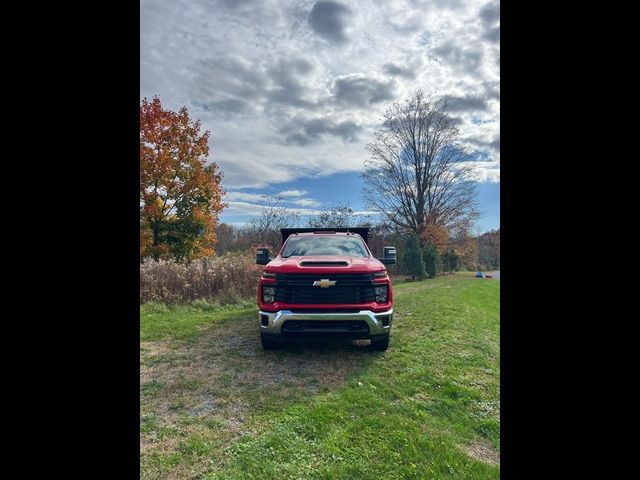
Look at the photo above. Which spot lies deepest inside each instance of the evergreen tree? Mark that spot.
(412, 258)
(430, 259)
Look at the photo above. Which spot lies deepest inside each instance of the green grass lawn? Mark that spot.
(215, 406)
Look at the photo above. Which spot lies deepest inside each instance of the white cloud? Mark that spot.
(253, 209)
(247, 68)
(306, 202)
(233, 196)
(293, 193)
(253, 201)
(485, 172)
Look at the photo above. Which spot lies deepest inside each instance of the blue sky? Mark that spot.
(293, 90)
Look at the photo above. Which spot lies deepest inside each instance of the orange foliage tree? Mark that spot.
(466, 247)
(435, 235)
(180, 196)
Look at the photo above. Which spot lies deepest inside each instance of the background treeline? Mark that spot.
(462, 253)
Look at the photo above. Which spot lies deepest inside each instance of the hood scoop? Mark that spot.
(312, 263)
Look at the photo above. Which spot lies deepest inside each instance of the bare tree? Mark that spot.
(489, 250)
(419, 173)
(226, 235)
(340, 215)
(265, 229)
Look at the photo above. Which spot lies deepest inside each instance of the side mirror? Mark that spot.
(262, 256)
(389, 257)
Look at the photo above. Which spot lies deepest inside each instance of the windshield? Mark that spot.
(325, 245)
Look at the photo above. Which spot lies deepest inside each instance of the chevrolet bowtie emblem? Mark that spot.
(324, 283)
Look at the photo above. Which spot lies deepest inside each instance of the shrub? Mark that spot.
(226, 279)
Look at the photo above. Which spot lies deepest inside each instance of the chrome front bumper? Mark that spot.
(373, 320)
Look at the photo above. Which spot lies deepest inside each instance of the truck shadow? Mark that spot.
(309, 364)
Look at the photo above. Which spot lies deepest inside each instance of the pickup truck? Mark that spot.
(325, 283)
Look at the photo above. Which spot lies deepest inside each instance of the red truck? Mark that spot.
(325, 283)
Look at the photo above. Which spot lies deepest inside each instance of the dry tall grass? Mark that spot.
(223, 279)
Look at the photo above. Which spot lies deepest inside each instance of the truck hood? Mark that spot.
(324, 264)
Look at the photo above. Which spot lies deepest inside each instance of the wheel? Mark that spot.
(381, 344)
(267, 343)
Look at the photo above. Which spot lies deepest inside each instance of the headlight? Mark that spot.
(268, 294)
(382, 294)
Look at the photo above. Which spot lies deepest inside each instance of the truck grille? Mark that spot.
(349, 288)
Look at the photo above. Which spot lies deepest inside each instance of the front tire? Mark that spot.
(267, 343)
(380, 344)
